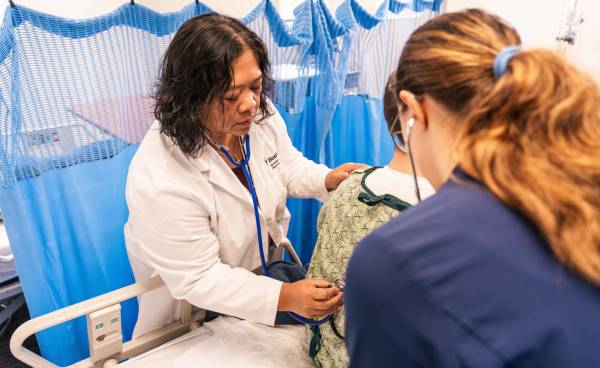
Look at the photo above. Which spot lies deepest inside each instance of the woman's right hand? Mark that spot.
(310, 298)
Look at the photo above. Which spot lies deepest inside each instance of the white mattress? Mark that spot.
(231, 342)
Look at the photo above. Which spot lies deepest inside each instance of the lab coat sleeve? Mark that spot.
(176, 239)
(302, 177)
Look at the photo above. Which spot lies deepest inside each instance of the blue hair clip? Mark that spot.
(503, 58)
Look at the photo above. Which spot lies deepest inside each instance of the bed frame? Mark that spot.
(106, 345)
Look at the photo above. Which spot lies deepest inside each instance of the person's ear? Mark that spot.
(415, 108)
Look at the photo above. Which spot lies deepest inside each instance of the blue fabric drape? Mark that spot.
(359, 131)
(74, 105)
(327, 62)
(73, 113)
(396, 6)
(358, 120)
(66, 230)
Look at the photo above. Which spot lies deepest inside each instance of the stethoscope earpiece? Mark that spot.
(410, 124)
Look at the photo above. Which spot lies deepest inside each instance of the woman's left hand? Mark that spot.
(339, 174)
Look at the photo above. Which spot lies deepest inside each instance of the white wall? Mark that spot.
(539, 22)
(79, 9)
(370, 5)
(62, 8)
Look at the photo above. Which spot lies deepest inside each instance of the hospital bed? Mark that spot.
(188, 339)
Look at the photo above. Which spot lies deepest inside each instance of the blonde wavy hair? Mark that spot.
(531, 136)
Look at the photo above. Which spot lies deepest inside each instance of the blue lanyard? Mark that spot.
(245, 169)
(244, 166)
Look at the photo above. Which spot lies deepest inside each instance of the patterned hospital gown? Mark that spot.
(351, 213)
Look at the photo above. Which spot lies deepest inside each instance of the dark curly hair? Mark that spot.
(197, 70)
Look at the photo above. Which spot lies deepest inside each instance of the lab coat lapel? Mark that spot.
(257, 168)
(220, 175)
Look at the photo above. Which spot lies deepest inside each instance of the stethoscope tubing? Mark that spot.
(243, 164)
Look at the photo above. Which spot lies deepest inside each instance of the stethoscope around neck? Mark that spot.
(243, 164)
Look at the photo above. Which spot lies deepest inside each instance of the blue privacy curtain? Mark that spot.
(75, 104)
(326, 65)
(309, 65)
(295, 70)
(358, 131)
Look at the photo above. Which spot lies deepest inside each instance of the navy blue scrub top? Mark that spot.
(461, 280)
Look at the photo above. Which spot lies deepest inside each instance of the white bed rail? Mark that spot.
(132, 348)
(188, 320)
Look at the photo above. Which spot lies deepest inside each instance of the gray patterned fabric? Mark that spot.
(343, 221)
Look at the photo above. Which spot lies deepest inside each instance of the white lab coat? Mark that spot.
(192, 222)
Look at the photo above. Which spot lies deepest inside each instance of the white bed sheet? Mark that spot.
(230, 342)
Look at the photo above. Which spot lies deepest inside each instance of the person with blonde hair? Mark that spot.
(501, 267)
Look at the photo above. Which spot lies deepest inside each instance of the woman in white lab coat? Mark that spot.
(191, 218)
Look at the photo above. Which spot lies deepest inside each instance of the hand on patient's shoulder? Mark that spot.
(310, 298)
(339, 174)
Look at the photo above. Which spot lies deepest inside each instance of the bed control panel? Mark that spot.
(104, 333)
